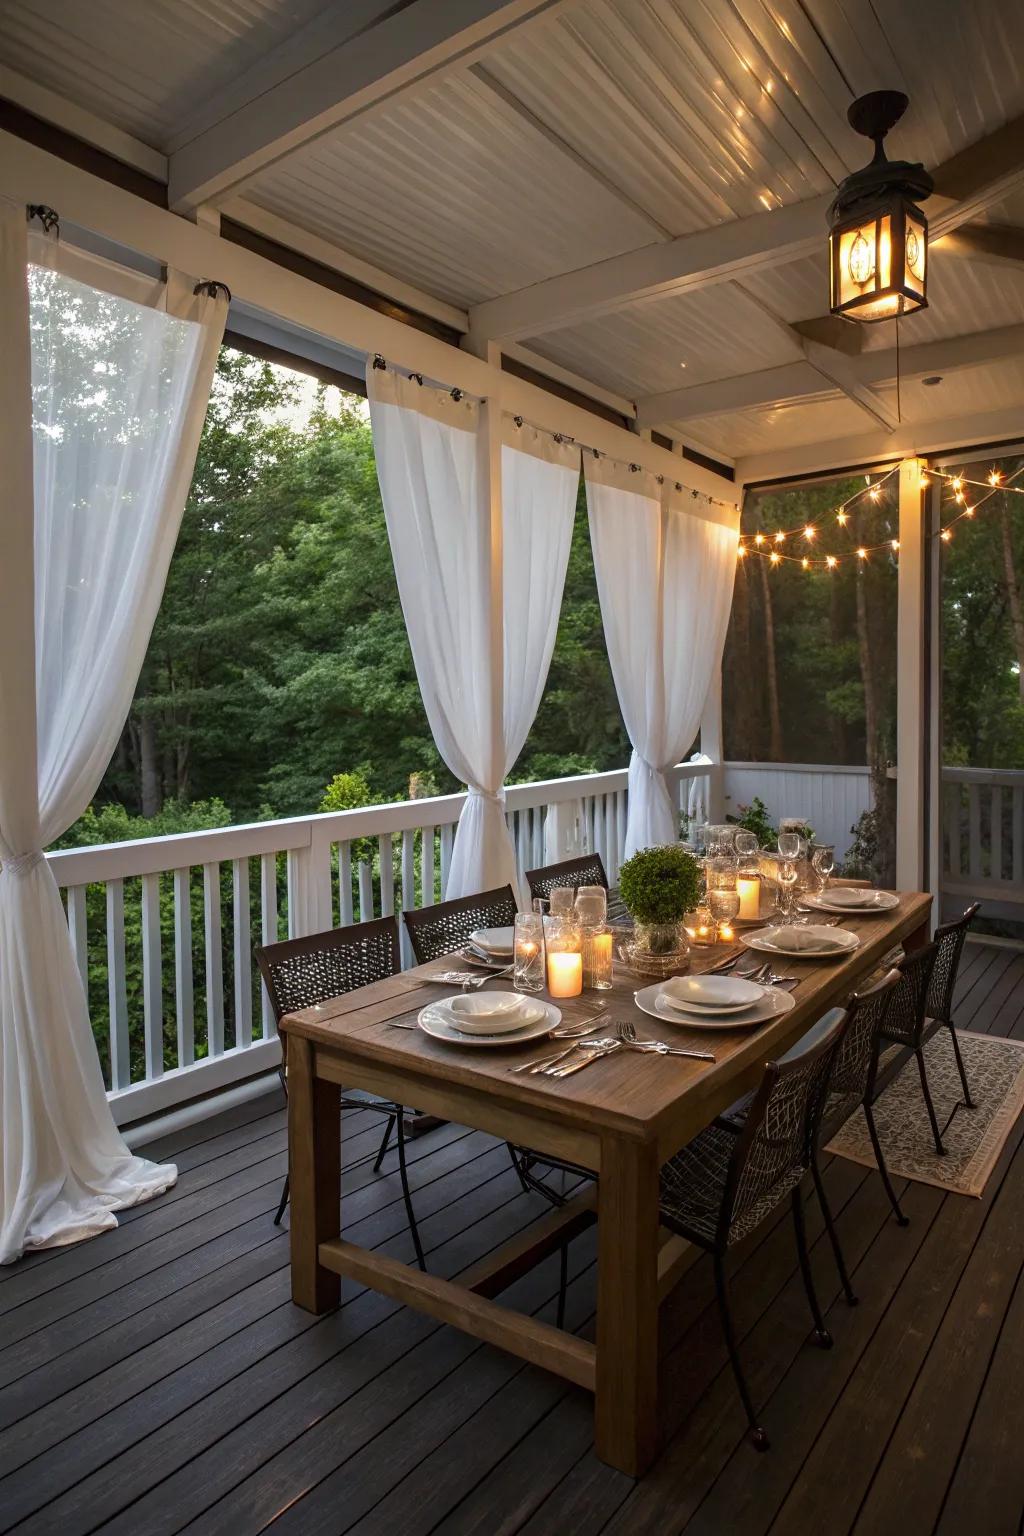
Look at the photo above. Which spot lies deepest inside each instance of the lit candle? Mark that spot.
(565, 973)
(725, 933)
(750, 896)
(600, 961)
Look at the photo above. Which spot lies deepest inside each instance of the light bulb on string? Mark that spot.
(874, 493)
(894, 544)
(775, 557)
(968, 511)
(831, 562)
(780, 538)
(741, 551)
(862, 554)
(842, 519)
(809, 531)
(947, 534)
(994, 476)
(758, 538)
(805, 563)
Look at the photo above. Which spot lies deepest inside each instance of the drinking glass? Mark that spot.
(786, 875)
(591, 905)
(746, 843)
(823, 862)
(528, 956)
(789, 844)
(724, 906)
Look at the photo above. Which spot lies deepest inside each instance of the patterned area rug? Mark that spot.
(974, 1138)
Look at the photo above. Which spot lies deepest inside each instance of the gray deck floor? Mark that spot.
(158, 1379)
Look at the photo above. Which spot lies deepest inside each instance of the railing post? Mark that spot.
(562, 831)
(309, 886)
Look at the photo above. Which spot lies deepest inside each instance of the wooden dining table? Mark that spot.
(621, 1118)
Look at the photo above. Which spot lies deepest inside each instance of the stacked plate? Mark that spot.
(488, 1018)
(809, 941)
(713, 1002)
(860, 902)
(490, 946)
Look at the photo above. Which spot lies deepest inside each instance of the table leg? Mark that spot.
(314, 1160)
(626, 1411)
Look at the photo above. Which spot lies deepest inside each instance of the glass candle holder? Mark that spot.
(596, 947)
(564, 959)
(591, 905)
(724, 906)
(528, 958)
(700, 927)
(560, 900)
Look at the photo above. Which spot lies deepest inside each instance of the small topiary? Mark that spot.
(660, 885)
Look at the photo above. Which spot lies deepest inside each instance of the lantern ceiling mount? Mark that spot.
(877, 234)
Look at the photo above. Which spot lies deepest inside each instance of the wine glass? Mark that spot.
(789, 845)
(823, 862)
(724, 905)
(746, 843)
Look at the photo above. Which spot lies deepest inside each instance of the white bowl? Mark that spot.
(711, 994)
(489, 1013)
(850, 896)
(494, 941)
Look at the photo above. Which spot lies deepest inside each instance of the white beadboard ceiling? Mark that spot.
(601, 128)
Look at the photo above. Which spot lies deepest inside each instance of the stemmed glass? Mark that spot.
(746, 843)
(724, 905)
(789, 849)
(823, 862)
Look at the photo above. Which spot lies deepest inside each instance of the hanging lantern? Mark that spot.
(878, 239)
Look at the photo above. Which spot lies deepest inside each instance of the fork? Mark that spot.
(629, 1037)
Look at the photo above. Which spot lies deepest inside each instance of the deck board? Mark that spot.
(159, 1380)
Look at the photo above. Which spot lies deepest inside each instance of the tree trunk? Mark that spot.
(1013, 593)
(776, 749)
(149, 757)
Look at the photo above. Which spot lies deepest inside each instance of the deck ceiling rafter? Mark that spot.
(800, 380)
(966, 186)
(356, 56)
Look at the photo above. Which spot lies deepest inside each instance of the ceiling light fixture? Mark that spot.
(878, 236)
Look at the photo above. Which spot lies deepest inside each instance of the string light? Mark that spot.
(758, 538)
(805, 563)
(831, 562)
(809, 531)
(947, 534)
(994, 476)
(862, 554)
(780, 538)
(776, 557)
(741, 551)
(894, 543)
(842, 519)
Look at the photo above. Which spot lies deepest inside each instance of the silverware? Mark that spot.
(577, 1066)
(629, 1037)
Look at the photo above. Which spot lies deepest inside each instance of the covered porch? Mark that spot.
(607, 221)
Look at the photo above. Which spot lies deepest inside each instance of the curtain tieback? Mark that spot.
(22, 863)
(497, 795)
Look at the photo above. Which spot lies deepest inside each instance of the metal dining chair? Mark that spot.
(949, 948)
(727, 1180)
(908, 1024)
(586, 870)
(436, 931)
(299, 973)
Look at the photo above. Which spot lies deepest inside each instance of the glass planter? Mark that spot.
(658, 949)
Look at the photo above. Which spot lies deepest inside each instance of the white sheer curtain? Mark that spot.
(102, 401)
(665, 567)
(431, 462)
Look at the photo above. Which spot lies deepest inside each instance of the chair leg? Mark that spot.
(826, 1211)
(284, 1200)
(406, 1195)
(903, 1221)
(758, 1436)
(385, 1141)
(822, 1337)
(968, 1101)
(563, 1284)
(936, 1135)
(518, 1168)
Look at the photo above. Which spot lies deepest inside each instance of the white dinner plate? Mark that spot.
(709, 993)
(799, 943)
(489, 1013)
(494, 941)
(433, 1021)
(870, 901)
(773, 1003)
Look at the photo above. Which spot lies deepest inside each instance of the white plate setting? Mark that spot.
(770, 1003)
(496, 943)
(856, 903)
(458, 1022)
(813, 941)
(709, 994)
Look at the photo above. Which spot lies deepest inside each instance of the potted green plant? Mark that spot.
(658, 887)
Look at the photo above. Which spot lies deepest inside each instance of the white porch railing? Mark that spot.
(832, 798)
(983, 834)
(164, 928)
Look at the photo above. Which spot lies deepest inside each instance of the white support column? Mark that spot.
(911, 622)
(712, 746)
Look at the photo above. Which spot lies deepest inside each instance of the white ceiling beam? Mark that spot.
(1000, 245)
(81, 123)
(30, 174)
(795, 381)
(966, 186)
(350, 75)
(681, 265)
(941, 435)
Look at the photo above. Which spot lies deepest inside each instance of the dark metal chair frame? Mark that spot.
(299, 973)
(949, 947)
(748, 1170)
(436, 931)
(588, 869)
(908, 1023)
